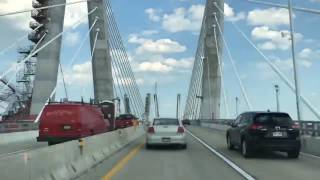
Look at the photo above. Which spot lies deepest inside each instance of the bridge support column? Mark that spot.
(211, 78)
(49, 58)
(101, 61)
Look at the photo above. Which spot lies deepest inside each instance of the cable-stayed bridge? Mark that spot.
(28, 95)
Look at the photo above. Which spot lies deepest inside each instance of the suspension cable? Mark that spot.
(276, 69)
(124, 60)
(42, 8)
(76, 54)
(17, 41)
(48, 43)
(283, 77)
(234, 66)
(64, 83)
(221, 73)
(19, 66)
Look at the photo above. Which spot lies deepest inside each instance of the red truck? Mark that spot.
(60, 122)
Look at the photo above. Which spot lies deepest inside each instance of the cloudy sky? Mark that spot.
(161, 39)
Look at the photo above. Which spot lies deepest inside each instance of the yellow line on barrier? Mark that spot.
(120, 165)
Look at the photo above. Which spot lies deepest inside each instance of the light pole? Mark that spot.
(277, 88)
(295, 64)
(237, 106)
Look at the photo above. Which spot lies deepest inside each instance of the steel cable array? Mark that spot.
(125, 80)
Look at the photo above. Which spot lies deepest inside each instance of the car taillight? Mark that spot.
(151, 130)
(180, 130)
(295, 126)
(256, 126)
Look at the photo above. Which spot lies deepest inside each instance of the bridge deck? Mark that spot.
(197, 162)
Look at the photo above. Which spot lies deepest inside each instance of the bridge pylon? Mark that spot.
(211, 77)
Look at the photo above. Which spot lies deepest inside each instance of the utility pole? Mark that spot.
(237, 106)
(277, 88)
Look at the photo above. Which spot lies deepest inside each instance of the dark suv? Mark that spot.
(253, 131)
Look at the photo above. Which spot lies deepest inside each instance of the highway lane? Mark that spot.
(196, 162)
(266, 165)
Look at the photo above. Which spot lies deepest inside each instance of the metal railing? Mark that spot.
(9, 127)
(311, 128)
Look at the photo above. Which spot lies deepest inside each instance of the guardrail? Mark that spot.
(311, 128)
(67, 160)
(9, 127)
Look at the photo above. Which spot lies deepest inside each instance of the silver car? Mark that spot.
(166, 131)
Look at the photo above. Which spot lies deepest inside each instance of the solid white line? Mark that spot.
(230, 163)
(310, 155)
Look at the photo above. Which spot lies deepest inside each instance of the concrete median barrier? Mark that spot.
(18, 137)
(67, 160)
(311, 145)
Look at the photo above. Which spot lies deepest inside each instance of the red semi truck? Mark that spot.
(60, 122)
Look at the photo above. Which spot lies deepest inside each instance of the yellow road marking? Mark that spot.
(120, 165)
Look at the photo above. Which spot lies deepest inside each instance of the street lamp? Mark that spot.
(237, 106)
(295, 64)
(277, 88)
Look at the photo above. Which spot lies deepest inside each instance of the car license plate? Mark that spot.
(66, 127)
(166, 140)
(277, 134)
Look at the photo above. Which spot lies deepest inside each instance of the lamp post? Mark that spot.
(277, 89)
(237, 106)
(295, 64)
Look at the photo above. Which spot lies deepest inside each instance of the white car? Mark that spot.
(166, 131)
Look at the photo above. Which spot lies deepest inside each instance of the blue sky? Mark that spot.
(161, 39)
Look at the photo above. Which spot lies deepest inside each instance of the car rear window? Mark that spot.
(166, 122)
(273, 118)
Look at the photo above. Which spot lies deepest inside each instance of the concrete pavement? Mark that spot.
(196, 162)
(275, 166)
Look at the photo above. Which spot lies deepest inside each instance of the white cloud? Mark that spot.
(307, 55)
(74, 13)
(149, 32)
(153, 14)
(182, 63)
(72, 38)
(81, 75)
(268, 17)
(160, 46)
(154, 67)
(184, 19)
(165, 65)
(231, 15)
(273, 39)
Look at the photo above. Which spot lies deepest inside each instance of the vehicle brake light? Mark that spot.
(151, 130)
(295, 126)
(180, 130)
(256, 126)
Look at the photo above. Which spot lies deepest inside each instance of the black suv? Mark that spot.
(253, 131)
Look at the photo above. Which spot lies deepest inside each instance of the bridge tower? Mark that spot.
(101, 61)
(48, 62)
(211, 78)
